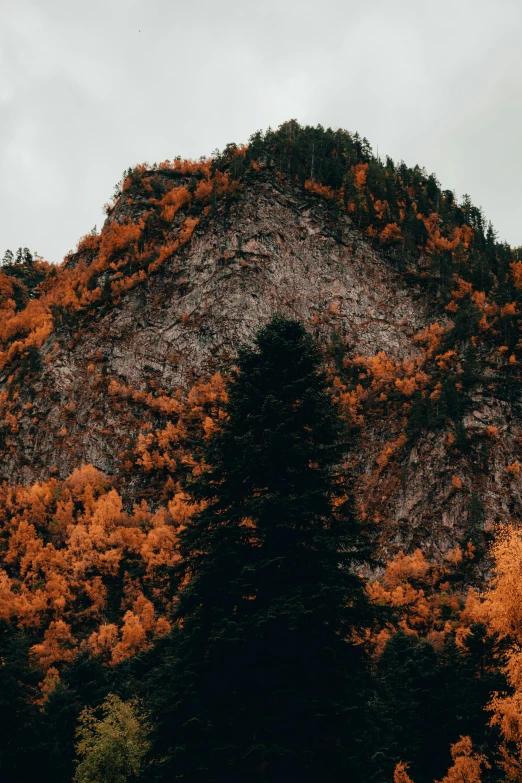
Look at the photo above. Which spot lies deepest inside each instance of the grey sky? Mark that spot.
(88, 89)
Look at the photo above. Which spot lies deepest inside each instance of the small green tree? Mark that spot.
(112, 742)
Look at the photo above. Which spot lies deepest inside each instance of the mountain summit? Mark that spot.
(113, 367)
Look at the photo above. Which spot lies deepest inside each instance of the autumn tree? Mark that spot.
(502, 611)
(467, 764)
(266, 676)
(400, 773)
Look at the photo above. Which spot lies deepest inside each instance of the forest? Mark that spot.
(225, 605)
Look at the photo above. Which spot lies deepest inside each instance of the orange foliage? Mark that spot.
(389, 450)
(467, 764)
(516, 271)
(386, 373)
(390, 233)
(66, 542)
(436, 242)
(320, 190)
(444, 360)
(463, 289)
(6, 293)
(350, 401)
(184, 234)
(188, 167)
(360, 174)
(116, 237)
(32, 326)
(173, 201)
(69, 544)
(119, 246)
(90, 243)
(163, 449)
(203, 190)
(510, 308)
(161, 403)
(501, 610)
(118, 287)
(48, 684)
(431, 337)
(187, 229)
(400, 773)
(57, 647)
(420, 589)
(380, 208)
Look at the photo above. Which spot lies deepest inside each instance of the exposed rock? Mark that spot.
(272, 250)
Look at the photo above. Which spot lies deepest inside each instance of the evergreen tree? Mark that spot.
(264, 679)
(428, 698)
(84, 683)
(411, 702)
(18, 693)
(8, 258)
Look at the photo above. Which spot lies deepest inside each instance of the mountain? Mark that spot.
(113, 367)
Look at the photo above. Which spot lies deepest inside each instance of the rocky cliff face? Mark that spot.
(99, 389)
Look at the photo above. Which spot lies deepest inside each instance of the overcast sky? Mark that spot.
(88, 89)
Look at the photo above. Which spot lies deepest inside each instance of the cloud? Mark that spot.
(88, 89)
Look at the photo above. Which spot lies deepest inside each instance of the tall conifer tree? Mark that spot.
(264, 678)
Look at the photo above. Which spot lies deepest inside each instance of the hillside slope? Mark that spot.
(275, 253)
(118, 361)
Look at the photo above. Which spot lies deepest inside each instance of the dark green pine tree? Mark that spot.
(264, 679)
(18, 711)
